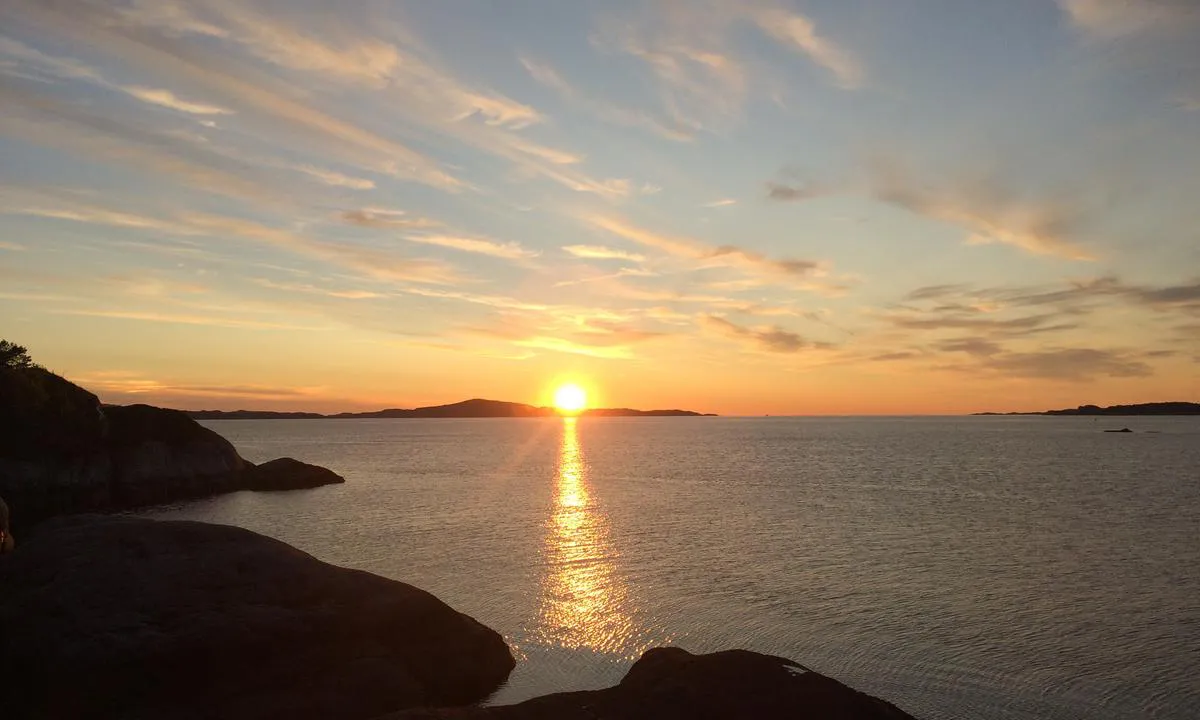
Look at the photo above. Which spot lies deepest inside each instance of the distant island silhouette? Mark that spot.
(1160, 408)
(474, 408)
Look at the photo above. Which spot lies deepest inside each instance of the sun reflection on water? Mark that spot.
(583, 599)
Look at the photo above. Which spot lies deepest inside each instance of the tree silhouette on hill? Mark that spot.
(14, 356)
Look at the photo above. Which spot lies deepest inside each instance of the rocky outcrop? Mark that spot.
(673, 684)
(109, 617)
(287, 474)
(61, 452)
(143, 455)
(163, 455)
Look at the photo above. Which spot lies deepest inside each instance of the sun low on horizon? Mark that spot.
(570, 399)
(770, 207)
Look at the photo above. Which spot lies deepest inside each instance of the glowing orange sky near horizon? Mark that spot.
(237, 205)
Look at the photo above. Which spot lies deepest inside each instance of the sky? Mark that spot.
(740, 207)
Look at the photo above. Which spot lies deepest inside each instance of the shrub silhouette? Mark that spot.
(14, 356)
(42, 413)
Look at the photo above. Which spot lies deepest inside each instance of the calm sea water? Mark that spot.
(1025, 567)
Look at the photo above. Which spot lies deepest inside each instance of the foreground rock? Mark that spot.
(287, 474)
(131, 618)
(673, 684)
(62, 452)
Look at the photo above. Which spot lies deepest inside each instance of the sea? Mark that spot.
(959, 567)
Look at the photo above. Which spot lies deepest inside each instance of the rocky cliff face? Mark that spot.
(62, 452)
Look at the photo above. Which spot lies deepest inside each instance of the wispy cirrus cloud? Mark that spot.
(124, 387)
(600, 109)
(795, 193)
(1045, 332)
(1109, 19)
(42, 119)
(501, 302)
(703, 79)
(336, 54)
(770, 338)
(701, 86)
(168, 99)
(705, 255)
(334, 178)
(386, 218)
(598, 339)
(799, 33)
(219, 49)
(32, 62)
(1156, 40)
(367, 260)
(506, 250)
(600, 252)
(988, 212)
(311, 289)
(623, 272)
(1069, 364)
(182, 318)
(951, 320)
(560, 345)
(52, 205)
(1073, 296)
(172, 51)
(978, 346)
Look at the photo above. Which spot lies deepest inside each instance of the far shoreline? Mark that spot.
(474, 408)
(1158, 409)
(495, 409)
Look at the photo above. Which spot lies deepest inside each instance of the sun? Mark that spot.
(570, 398)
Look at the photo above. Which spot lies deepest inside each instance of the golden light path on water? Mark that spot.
(584, 601)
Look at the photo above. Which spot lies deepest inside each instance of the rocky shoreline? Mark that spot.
(120, 617)
(107, 617)
(62, 452)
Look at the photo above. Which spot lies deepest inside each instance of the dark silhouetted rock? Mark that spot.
(137, 455)
(288, 474)
(42, 413)
(7, 543)
(62, 452)
(163, 455)
(132, 618)
(673, 684)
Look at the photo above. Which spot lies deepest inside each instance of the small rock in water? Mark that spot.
(288, 474)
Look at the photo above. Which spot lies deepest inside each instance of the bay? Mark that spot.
(965, 567)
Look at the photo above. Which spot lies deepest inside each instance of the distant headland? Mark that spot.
(1161, 408)
(475, 408)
